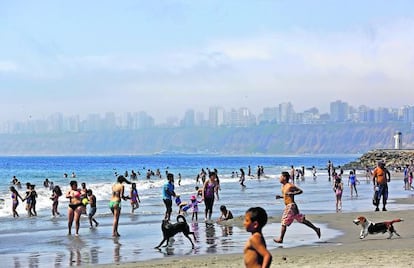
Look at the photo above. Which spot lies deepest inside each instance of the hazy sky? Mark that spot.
(79, 57)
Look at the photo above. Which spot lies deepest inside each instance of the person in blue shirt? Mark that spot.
(167, 194)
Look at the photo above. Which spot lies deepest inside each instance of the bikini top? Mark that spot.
(76, 194)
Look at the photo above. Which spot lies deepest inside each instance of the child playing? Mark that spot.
(180, 205)
(225, 214)
(92, 210)
(352, 181)
(255, 251)
(134, 197)
(194, 204)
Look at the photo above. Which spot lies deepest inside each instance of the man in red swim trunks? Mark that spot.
(291, 211)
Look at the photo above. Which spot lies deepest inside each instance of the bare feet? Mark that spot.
(280, 241)
(318, 232)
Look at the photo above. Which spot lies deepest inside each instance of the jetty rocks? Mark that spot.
(393, 159)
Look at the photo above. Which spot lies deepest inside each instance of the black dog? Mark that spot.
(170, 229)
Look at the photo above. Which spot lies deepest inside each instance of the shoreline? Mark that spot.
(346, 250)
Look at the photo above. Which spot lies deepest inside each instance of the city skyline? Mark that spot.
(165, 57)
(283, 113)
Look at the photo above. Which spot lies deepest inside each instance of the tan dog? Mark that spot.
(369, 227)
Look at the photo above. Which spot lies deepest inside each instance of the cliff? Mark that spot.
(266, 139)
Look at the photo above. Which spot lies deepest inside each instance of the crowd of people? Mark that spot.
(207, 192)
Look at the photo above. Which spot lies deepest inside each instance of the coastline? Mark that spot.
(346, 250)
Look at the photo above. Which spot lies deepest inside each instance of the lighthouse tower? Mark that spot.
(398, 140)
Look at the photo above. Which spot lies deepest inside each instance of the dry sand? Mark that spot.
(346, 250)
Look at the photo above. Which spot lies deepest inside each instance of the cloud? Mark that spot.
(8, 66)
(302, 66)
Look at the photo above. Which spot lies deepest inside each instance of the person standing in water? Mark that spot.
(75, 207)
(134, 197)
(115, 202)
(56, 193)
(15, 201)
(210, 188)
(167, 194)
(92, 208)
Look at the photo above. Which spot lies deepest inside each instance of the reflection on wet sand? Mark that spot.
(211, 238)
(117, 250)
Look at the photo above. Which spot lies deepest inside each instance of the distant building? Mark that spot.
(189, 119)
(215, 116)
(286, 112)
(339, 111)
(269, 115)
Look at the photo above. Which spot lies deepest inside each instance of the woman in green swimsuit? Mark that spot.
(115, 202)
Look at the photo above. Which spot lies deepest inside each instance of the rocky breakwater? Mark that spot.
(393, 159)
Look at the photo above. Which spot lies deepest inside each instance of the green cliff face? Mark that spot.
(268, 139)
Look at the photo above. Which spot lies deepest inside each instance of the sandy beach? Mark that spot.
(346, 250)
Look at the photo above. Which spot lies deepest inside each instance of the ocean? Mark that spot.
(42, 241)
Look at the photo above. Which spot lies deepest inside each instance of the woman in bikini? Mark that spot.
(75, 207)
(15, 195)
(338, 189)
(115, 202)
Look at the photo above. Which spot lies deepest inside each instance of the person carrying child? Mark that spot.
(56, 193)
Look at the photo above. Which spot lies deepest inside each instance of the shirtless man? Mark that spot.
(255, 251)
(291, 211)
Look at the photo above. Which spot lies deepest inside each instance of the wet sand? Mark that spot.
(346, 250)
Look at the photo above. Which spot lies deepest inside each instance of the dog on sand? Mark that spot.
(171, 229)
(369, 227)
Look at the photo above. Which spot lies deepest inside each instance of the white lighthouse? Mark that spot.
(398, 140)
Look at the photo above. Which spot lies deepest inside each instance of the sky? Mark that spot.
(164, 57)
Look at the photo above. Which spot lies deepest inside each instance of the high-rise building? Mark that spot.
(216, 116)
(286, 112)
(189, 119)
(269, 115)
(339, 111)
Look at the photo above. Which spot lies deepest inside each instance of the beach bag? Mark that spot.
(375, 199)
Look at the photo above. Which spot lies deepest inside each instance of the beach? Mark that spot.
(346, 250)
(42, 241)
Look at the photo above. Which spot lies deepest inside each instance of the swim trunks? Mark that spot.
(290, 214)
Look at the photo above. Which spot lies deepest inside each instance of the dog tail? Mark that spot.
(181, 217)
(395, 220)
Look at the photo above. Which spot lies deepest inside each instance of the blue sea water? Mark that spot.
(42, 241)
